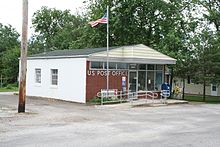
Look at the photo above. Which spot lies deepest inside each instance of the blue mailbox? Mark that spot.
(165, 89)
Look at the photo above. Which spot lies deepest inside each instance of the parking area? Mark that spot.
(56, 123)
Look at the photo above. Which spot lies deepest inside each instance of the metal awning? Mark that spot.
(133, 54)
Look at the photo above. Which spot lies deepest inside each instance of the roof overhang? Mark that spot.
(127, 54)
(57, 57)
(133, 54)
(133, 60)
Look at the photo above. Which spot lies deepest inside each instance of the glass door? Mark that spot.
(141, 80)
(133, 81)
(150, 80)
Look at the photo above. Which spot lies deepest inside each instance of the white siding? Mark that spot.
(71, 79)
(195, 88)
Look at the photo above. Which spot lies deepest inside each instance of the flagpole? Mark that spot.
(107, 79)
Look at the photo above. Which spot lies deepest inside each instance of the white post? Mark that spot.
(107, 49)
(107, 79)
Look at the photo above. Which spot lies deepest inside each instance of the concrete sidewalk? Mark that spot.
(144, 103)
(158, 102)
(8, 93)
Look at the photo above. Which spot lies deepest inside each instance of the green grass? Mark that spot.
(12, 89)
(198, 98)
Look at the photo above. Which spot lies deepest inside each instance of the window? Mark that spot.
(97, 65)
(150, 67)
(37, 75)
(159, 67)
(188, 80)
(142, 66)
(54, 76)
(132, 66)
(150, 80)
(214, 87)
(122, 66)
(111, 65)
(159, 80)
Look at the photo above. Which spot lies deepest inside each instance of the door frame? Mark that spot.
(136, 88)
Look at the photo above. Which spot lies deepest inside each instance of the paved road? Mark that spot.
(55, 123)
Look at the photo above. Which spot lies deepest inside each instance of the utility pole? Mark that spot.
(23, 58)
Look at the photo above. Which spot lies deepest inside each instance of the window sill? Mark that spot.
(54, 86)
(37, 84)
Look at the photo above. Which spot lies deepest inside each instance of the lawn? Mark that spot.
(198, 98)
(12, 89)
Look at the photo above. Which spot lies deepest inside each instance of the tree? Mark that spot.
(206, 44)
(212, 11)
(55, 29)
(158, 24)
(207, 60)
(8, 37)
(8, 40)
(10, 64)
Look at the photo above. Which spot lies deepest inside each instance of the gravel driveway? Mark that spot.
(57, 123)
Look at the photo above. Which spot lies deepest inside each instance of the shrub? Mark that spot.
(12, 86)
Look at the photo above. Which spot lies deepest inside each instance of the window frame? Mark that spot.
(37, 76)
(95, 68)
(117, 66)
(54, 75)
(214, 87)
(120, 67)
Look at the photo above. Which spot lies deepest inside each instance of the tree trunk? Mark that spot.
(204, 89)
(183, 97)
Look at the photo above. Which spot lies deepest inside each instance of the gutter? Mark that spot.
(58, 57)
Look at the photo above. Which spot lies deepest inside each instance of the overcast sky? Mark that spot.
(11, 10)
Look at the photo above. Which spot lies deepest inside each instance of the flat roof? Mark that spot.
(70, 52)
(128, 54)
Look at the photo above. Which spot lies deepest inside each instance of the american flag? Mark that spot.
(104, 19)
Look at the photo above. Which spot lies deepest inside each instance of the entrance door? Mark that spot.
(141, 80)
(133, 81)
(214, 90)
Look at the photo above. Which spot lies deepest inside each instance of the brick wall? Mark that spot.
(96, 80)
